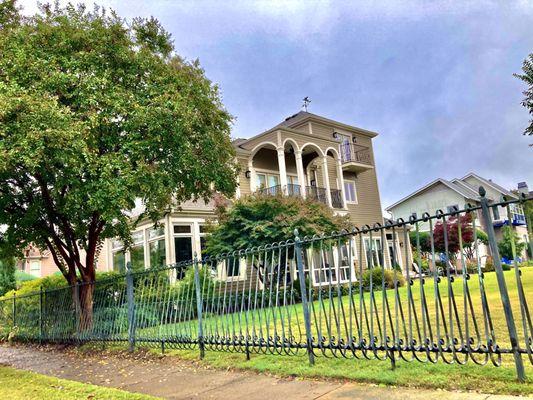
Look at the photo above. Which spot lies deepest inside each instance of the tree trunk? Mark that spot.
(86, 306)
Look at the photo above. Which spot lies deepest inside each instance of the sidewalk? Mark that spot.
(170, 378)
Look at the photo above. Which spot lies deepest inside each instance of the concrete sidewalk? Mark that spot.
(170, 378)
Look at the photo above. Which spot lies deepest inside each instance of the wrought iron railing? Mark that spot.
(314, 295)
(336, 198)
(271, 191)
(355, 153)
(316, 193)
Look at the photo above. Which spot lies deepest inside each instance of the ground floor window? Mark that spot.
(374, 252)
(35, 267)
(137, 251)
(335, 264)
(157, 247)
(118, 255)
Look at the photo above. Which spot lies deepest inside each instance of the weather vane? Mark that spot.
(306, 103)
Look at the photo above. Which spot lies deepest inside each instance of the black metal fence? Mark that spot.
(358, 294)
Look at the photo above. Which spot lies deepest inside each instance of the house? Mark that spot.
(442, 194)
(305, 155)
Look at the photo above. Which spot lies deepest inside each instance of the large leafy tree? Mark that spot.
(527, 77)
(96, 113)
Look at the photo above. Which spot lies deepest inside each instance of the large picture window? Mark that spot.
(137, 251)
(119, 256)
(156, 247)
(374, 253)
(183, 243)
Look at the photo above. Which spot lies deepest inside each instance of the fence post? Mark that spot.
(502, 285)
(199, 306)
(40, 315)
(131, 307)
(305, 304)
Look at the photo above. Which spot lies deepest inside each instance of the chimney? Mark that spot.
(522, 188)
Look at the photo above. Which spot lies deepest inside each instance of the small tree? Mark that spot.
(527, 77)
(452, 230)
(505, 245)
(260, 220)
(7, 274)
(470, 248)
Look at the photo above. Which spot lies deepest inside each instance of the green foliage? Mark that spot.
(489, 264)
(258, 220)
(505, 245)
(7, 274)
(527, 77)
(96, 113)
(21, 276)
(378, 275)
(423, 260)
(423, 237)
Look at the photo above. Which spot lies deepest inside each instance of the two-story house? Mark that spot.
(305, 155)
(442, 194)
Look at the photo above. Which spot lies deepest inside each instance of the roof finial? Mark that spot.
(306, 103)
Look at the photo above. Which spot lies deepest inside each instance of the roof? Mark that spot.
(490, 183)
(464, 191)
(300, 117)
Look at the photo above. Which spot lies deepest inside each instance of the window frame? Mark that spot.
(347, 182)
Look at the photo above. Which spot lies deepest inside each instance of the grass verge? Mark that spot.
(17, 385)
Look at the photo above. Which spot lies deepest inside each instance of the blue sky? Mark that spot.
(433, 78)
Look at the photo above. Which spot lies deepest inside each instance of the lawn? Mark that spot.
(334, 319)
(17, 385)
(486, 379)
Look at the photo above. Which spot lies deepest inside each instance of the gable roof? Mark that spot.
(490, 183)
(466, 192)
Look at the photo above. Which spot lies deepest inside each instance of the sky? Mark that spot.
(434, 79)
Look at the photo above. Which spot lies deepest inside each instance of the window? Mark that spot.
(35, 267)
(452, 209)
(233, 267)
(349, 191)
(267, 180)
(119, 257)
(331, 266)
(414, 215)
(156, 246)
(183, 243)
(395, 256)
(137, 251)
(374, 253)
(203, 238)
(292, 180)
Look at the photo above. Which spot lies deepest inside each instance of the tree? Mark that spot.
(254, 221)
(452, 230)
(96, 113)
(505, 245)
(527, 77)
(470, 248)
(7, 274)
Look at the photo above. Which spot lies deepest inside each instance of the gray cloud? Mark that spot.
(433, 78)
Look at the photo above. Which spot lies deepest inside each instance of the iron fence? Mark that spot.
(360, 294)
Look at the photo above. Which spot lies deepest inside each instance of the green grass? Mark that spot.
(486, 379)
(16, 384)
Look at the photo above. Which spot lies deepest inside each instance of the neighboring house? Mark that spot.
(305, 155)
(41, 263)
(442, 194)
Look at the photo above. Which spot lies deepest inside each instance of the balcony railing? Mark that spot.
(271, 191)
(317, 194)
(313, 192)
(355, 153)
(336, 198)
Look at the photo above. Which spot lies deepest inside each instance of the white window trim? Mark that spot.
(386, 262)
(356, 201)
(222, 271)
(336, 256)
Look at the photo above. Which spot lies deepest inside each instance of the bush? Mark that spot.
(378, 275)
(506, 267)
(21, 276)
(489, 264)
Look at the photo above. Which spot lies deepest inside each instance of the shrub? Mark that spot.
(489, 264)
(505, 245)
(378, 275)
(506, 267)
(21, 276)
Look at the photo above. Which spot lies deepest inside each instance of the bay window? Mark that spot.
(156, 247)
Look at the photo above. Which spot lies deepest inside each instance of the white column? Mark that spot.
(326, 179)
(170, 253)
(253, 178)
(300, 171)
(282, 169)
(340, 177)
